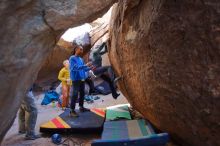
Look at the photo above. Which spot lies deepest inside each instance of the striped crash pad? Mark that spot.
(130, 133)
(118, 112)
(125, 129)
(91, 121)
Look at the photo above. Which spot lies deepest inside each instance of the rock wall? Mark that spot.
(168, 52)
(100, 31)
(29, 31)
(50, 68)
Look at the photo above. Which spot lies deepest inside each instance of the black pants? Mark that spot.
(78, 89)
(110, 83)
(104, 74)
(89, 81)
(102, 70)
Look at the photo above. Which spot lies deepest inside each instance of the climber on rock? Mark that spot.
(104, 72)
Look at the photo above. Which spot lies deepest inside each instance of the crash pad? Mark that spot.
(130, 133)
(150, 140)
(124, 129)
(91, 121)
(103, 88)
(118, 112)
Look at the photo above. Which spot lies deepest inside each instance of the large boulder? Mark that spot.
(168, 53)
(29, 31)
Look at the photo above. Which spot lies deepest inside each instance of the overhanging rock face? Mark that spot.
(168, 53)
(29, 30)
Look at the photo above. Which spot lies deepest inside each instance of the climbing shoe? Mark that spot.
(115, 96)
(83, 109)
(21, 132)
(73, 114)
(32, 137)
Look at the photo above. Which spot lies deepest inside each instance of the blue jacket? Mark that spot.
(78, 68)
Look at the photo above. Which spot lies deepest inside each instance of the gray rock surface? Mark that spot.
(29, 31)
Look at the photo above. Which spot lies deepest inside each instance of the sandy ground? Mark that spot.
(45, 113)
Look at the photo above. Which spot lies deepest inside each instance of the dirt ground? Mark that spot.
(45, 113)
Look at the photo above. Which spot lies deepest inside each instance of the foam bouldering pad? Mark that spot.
(103, 88)
(150, 140)
(118, 112)
(91, 121)
(124, 129)
(130, 133)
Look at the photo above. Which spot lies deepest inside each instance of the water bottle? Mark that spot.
(53, 104)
